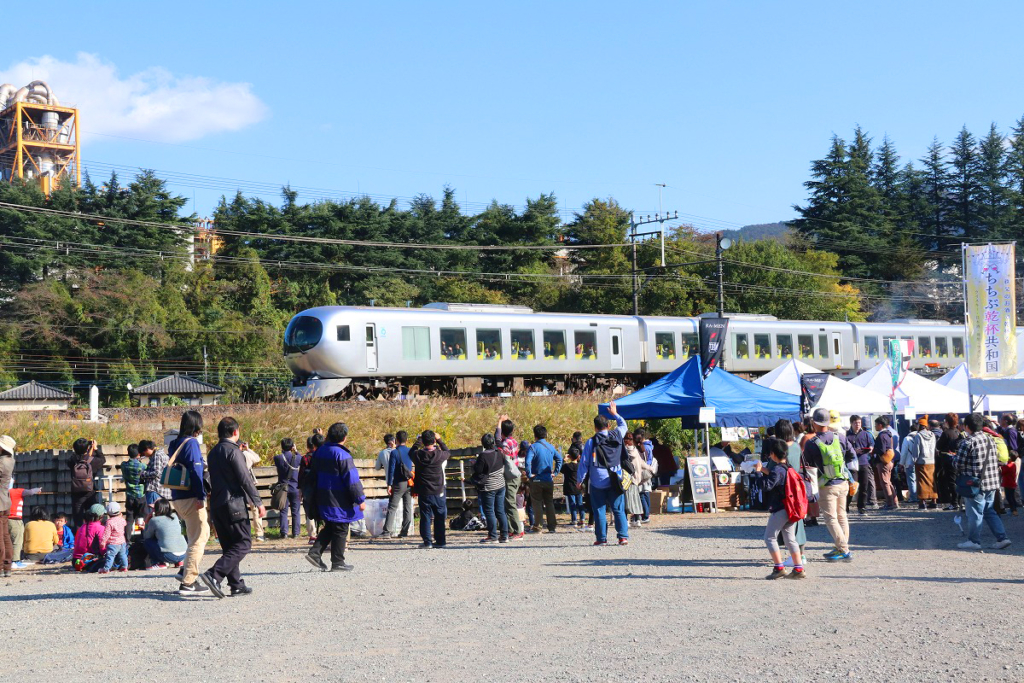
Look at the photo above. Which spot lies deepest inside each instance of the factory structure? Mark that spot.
(39, 139)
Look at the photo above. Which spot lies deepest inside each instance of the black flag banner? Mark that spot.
(712, 342)
(812, 384)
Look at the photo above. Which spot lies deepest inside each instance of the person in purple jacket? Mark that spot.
(339, 498)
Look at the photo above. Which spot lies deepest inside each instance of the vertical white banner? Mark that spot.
(991, 308)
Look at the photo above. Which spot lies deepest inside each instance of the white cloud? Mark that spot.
(153, 104)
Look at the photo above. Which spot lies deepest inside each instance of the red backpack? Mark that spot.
(796, 496)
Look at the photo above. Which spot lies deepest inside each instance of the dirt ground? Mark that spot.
(685, 600)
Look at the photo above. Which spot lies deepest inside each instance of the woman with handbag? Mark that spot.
(184, 476)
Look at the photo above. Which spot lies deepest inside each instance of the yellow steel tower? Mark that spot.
(38, 137)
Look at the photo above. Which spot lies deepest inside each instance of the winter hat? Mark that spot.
(113, 508)
(98, 510)
(7, 444)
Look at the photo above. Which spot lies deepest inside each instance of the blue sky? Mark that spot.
(725, 102)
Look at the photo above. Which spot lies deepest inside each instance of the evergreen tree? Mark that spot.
(964, 187)
(993, 195)
(935, 185)
(1014, 167)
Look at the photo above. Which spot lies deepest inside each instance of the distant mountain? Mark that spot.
(760, 231)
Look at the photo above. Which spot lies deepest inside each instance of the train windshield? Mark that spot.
(303, 333)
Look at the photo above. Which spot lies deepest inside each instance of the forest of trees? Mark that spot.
(98, 287)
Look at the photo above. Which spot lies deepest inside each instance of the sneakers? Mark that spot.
(193, 589)
(425, 546)
(211, 583)
(836, 556)
(342, 568)
(18, 565)
(241, 590)
(949, 508)
(502, 539)
(316, 561)
(797, 575)
(520, 535)
(589, 527)
(777, 574)
(489, 539)
(600, 542)
(261, 539)
(969, 545)
(180, 576)
(832, 554)
(999, 545)
(7, 573)
(623, 541)
(101, 571)
(123, 569)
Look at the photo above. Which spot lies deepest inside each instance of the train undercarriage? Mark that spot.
(389, 389)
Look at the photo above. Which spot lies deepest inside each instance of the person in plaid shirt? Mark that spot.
(154, 470)
(132, 471)
(977, 457)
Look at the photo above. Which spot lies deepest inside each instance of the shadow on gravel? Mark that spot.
(95, 595)
(626, 562)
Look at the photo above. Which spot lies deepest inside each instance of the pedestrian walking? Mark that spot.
(542, 461)
(489, 479)
(400, 473)
(307, 484)
(340, 499)
(429, 458)
(287, 463)
(189, 502)
(977, 470)
(602, 465)
(824, 452)
(783, 486)
(232, 494)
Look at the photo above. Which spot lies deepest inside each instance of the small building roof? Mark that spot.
(176, 384)
(34, 391)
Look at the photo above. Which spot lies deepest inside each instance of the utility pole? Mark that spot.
(635, 223)
(721, 244)
(206, 377)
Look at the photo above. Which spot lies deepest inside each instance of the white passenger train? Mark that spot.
(467, 349)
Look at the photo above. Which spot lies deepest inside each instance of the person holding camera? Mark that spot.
(85, 465)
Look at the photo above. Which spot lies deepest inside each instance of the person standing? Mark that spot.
(1008, 430)
(339, 498)
(634, 503)
(7, 446)
(307, 484)
(795, 457)
(908, 457)
(154, 470)
(287, 464)
(429, 459)
(384, 457)
(779, 522)
(190, 504)
(602, 459)
(399, 472)
(646, 447)
(232, 494)
(570, 489)
(977, 462)
(489, 479)
(884, 459)
(509, 447)
(924, 464)
(542, 461)
(85, 464)
(824, 452)
(863, 444)
(945, 464)
(132, 471)
(252, 459)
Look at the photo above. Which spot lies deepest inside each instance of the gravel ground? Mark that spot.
(687, 601)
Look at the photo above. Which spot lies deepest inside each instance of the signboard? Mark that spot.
(706, 415)
(731, 434)
(990, 306)
(712, 342)
(701, 484)
(812, 385)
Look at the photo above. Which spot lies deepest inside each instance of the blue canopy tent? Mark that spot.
(683, 392)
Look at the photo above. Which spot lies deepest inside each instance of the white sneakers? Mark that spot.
(999, 545)
(969, 545)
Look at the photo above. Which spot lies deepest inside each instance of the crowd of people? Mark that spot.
(809, 469)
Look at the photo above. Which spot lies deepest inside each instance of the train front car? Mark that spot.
(319, 352)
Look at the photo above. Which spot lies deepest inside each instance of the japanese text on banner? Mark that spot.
(991, 310)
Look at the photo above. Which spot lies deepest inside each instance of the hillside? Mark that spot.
(758, 231)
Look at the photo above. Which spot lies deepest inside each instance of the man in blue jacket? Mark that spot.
(398, 488)
(190, 504)
(542, 460)
(602, 458)
(339, 498)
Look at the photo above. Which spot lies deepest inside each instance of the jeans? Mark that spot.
(911, 474)
(1011, 498)
(159, 556)
(117, 553)
(334, 534)
(294, 501)
(575, 506)
(400, 493)
(601, 499)
(433, 512)
(832, 500)
(493, 504)
(982, 507)
(645, 500)
(197, 531)
(542, 494)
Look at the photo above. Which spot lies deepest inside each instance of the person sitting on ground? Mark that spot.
(64, 550)
(778, 517)
(88, 553)
(115, 542)
(162, 537)
(41, 537)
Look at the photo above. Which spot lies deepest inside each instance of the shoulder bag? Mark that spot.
(967, 486)
(176, 477)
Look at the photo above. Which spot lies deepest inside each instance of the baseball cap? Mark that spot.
(821, 417)
(113, 508)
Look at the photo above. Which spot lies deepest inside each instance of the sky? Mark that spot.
(725, 103)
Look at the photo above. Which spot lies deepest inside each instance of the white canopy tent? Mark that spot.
(923, 395)
(840, 395)
(1012, 386)
(959, 378)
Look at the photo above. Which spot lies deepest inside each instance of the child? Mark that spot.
(89, 541)
(67, 542)
(114, 541)
(132, 471)
(775, 490)
(1008, 472)
(570, 489)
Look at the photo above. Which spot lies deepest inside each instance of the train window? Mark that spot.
(763, 345)
(453, 344)
(554, 345)
(665, 345)
(416, 343)
(924, 347)
(741, 346)
(691, 346)
(303, 333)
(871, 347)
(958, 347)
(785, 344)
(941, 347)
(343, 333)
(823, 346)
(522, 345)
(586, 345)
(886, 343)
(488, 344)
(806, 344)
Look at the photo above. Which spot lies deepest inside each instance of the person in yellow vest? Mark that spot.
(825, 452)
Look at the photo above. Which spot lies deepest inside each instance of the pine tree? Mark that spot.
(1014, 167)
(964, 187)
(935, 186)
(993, 195)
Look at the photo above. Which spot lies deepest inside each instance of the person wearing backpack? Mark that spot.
(824, 452)
(287, 463)
(85, 465)
(602, 462)
(399, 473)
(787, 506)
(542, 461)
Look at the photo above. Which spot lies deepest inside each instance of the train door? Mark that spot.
(616, 348)
(837, 349)
(371, 348)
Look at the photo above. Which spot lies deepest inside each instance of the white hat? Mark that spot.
(113, 508)
(7, 444)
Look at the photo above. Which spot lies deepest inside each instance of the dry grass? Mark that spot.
(460, 423)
